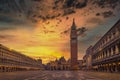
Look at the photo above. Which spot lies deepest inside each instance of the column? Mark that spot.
(107, 67)
(116, 67)
(98, 67)
(1, 69)
(103, 67)
(103, 54)
(108, 53)
(119, 47)
(4, 70)
(111, 35)
(117, 32)
(112, 67)
(116, 49)
(111, 51)
(108, 38)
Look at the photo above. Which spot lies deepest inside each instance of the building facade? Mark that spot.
(74, 46)
(84, 63)
(80, 64)
(60, 64)
(11, 60)
(106, 52)
(89, 58)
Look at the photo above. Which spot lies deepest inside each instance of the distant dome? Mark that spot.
(62, 59)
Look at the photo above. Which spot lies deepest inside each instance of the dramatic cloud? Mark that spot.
(107, 14)
(6, 36)
(66, 32)
(81, 31)
(37, 10)
(95, 20)
(41, 28)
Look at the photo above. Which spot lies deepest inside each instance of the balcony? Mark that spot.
(108, 59)
(111, 41)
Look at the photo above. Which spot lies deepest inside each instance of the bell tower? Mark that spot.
(74, 47)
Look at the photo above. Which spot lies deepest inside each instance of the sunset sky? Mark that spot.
(41, 29)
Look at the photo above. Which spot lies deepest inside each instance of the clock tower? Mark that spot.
(73, 47)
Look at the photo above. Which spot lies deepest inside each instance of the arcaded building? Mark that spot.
(87, 59)
(11, 60)
(105, 54)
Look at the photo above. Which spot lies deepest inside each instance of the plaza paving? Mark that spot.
(59, 75)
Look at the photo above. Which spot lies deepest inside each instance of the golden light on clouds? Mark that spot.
(42, 52)
(45, 31)
(39, 42)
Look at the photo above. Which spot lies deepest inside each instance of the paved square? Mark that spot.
(58, 75)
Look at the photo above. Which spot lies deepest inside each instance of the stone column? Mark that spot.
(110, 68)
(116, 49)
(103, 55)
(113, 67)
(102, 67)
(107, 67)
(111, 51)
(117, 32)
(111, 35)
(1, 69)
(116, 67)
(108, 54)
(4, 69)
(98, 67)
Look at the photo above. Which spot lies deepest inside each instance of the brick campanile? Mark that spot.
(73, 46)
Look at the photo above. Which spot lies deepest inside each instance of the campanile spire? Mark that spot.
(73, 27)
